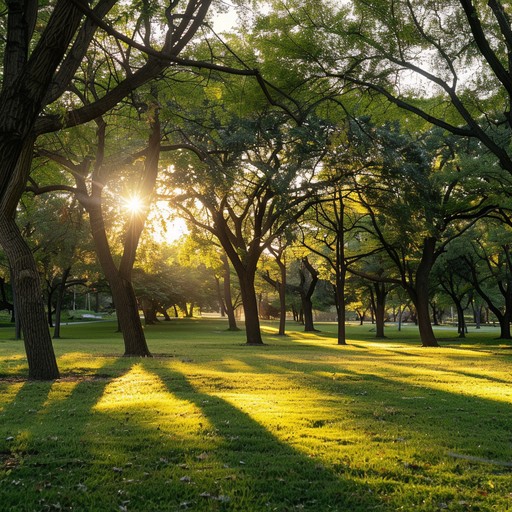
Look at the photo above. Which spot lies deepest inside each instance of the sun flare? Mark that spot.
(134, 204)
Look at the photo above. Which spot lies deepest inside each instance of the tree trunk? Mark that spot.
(307, 291)
(339, 301)
(461, 324)
(228, 299)
(128, 315)
(419, 294)
(341, 274)
(281, 290)
(58, 306)
(435, 319)
(250, 305)
(149, 311)
(49, 305)
(427, 336)
(123, 295)
(42, 364)
(379, 306)
(307, 308)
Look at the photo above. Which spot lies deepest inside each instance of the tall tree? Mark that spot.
(487, 266)
(44, 48)
(256, 177)
(419, 196)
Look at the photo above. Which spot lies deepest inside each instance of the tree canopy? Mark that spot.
(372, 135)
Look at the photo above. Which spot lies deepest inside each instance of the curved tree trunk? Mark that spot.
(123, 295)
(419, 294)
(28, 302)
(42, 364)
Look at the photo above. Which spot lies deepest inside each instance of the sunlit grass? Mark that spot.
(298, 424)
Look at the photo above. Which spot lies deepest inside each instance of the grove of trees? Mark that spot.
(345, 156)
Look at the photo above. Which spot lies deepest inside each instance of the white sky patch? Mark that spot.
(225, 22)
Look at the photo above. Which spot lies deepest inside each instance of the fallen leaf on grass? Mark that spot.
(221, 497)
(414, 467)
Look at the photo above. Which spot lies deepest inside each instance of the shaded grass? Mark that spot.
(299, 424)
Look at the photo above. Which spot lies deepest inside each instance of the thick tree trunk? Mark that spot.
(419, 294)
(42, 364)
(427, 336)
(505, 333)
(307, 308)
(128, 315)
(28, 301)
(250, 305)
(123, 296)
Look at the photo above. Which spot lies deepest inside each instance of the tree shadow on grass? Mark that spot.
(266, 473)
(41, 444)
(434, 433)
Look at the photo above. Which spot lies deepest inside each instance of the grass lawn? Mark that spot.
(298, 424)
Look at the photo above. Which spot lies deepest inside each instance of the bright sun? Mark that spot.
(134, 204)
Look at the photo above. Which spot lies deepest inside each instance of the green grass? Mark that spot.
(298, 424)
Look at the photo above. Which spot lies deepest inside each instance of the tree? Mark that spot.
(451, 275)
(254, 178)
(55, 229)
(488, 268)
(43, 50)
(202, 246)
(419, 196)
(278, 251)
(447, 62)
(93, 176)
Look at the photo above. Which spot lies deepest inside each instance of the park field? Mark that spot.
(210, 424)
